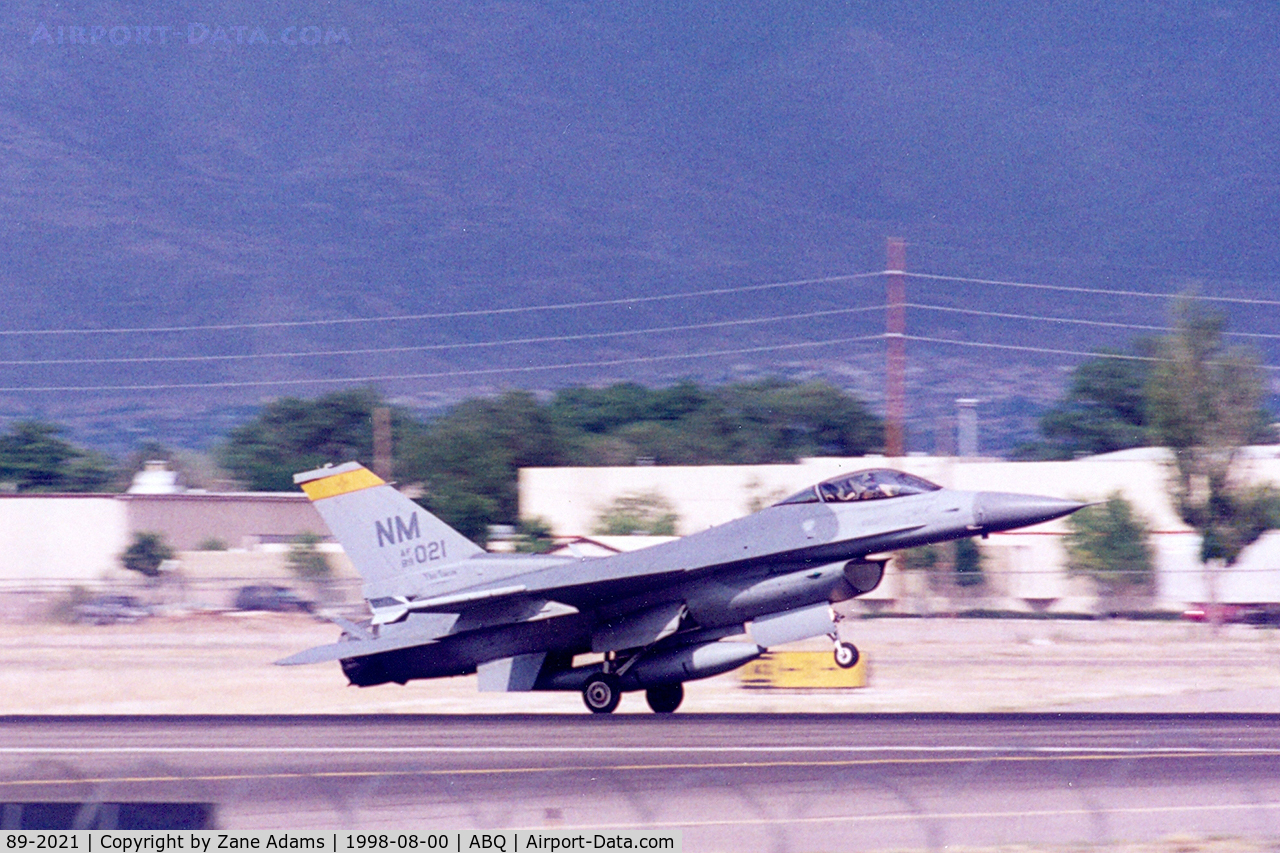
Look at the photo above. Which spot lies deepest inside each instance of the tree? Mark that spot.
(961, 561)
(466, 512)
(1104, 409)
(621, 423)
(779, 421)
(641, 513)
(771, 420)
(968, 564)
(35, 458)
(309, 563)
(469, 459)
(292, 435)
(1204, 404)
(146, 553)
(533, 536)
(924, 558)
(1111, 544)
(306, 560)
(604, 410)
(920, 568)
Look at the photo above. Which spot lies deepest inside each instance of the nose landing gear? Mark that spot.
(846, 655)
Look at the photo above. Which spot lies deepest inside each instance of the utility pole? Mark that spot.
(382, 443)
(967, 419)
(895, 348)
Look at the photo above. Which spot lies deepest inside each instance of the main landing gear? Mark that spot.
(665, 699)
(602, 693)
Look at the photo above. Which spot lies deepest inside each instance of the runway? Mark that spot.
(729, 782)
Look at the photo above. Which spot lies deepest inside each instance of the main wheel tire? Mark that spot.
(665, 699)
(846, 655)
(601, 693)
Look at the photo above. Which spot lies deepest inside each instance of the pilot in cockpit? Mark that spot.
(864, 486)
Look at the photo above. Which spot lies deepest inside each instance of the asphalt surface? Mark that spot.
(728, 782)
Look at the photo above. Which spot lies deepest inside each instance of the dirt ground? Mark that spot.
(223, 664)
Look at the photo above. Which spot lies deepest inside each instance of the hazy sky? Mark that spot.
(281, 162)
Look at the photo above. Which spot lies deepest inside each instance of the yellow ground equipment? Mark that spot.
(802, 670)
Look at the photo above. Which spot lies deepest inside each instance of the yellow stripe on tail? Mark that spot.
(341, 484)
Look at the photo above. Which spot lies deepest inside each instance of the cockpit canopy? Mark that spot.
(870, 485)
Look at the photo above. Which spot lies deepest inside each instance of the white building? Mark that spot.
(49, 539)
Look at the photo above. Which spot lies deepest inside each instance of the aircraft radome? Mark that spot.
(661, 616)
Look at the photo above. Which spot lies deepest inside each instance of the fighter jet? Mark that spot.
(646, 620)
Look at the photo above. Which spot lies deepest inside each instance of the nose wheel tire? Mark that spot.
(665, 699)
(846, 655)
(601, 693)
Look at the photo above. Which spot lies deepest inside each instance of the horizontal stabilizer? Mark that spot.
(431, 631)
(424, 628)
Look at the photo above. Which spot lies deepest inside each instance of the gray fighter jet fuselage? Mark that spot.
(441, 607)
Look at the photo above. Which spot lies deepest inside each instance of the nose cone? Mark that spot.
(1001, 511)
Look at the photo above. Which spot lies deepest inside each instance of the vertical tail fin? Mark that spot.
(385, 534)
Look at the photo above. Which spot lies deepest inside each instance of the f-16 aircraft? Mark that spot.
(651, 619)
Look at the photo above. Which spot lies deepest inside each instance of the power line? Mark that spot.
(1100, 323)
(626, 300)
(1233, 300)
(441, 315)
(630, 300)
(443, 374)
(1002, 315)
(1045, 350)
(429, 347)
(601, 335)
